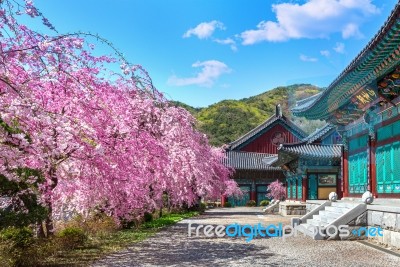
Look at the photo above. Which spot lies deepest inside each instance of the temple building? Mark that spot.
(358, 149)
(312, 167)
(251, 156)
(363, 105)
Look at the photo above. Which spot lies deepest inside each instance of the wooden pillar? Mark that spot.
(372, 168)
(305, 188)
(224, 199)
(253, 194)
(339, 188)
(345, 173)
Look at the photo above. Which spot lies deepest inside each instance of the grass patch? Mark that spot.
(98, 246)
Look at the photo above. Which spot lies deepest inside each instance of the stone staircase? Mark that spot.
(327, 214)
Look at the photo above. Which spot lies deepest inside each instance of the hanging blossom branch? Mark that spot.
(98, 143)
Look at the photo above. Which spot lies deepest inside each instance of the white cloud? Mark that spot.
(351, 30)
(307, 58)
(325, 53)
(339, 48)
(313, 19)
(204, 30)
(227, 41)
(210, 72)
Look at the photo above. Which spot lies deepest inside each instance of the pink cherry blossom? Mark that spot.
(100, 142)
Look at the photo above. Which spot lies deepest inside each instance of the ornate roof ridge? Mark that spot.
(303, 106)
(313, 150)
(250, 152)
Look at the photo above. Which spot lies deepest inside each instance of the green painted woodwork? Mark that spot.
(261, 193)
(241, 201)
(293, 188)
(299, 188)
(358, 142)
(289, 190)
(358, 173)
(388, 168)
(388, 131)
(312, 186)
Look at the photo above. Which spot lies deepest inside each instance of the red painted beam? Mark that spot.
(305, 188)
(345, 174)
(253, 196)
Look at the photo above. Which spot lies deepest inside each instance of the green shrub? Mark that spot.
(202, 207)
(147, 217)
(227, 205)
(251, 203)
(18, 247)
(98, 224)
(20, 237)
(264, 203)
(71, 237)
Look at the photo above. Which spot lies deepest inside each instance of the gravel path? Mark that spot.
(173, 247)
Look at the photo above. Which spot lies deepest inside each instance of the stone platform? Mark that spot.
(292, 208)
(383, 213)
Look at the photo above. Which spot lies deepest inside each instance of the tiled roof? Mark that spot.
(374, 61)
(263, 126)
(319, 133)
(312, 150)
(304, 103)
(290, 152)
(241, 160)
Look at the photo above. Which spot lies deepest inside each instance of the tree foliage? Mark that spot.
(276, 190)
(97, 139)
(227, 120)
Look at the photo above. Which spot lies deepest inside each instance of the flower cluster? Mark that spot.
(98, 141)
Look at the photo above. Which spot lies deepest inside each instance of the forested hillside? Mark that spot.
(227, 120)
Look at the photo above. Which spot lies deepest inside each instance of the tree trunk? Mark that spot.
(49, 224)
(49, 220)
(39, 230)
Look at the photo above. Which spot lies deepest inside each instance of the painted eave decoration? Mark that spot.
(371, 78)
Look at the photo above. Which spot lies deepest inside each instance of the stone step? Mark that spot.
(344, 205)
(317, 222)
(322, 217)
(306, 229)
(341, 210)
(329, 217)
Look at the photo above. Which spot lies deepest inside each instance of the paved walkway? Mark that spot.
(173, 247)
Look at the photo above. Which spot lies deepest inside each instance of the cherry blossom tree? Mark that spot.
(99, 139)
(276, 190)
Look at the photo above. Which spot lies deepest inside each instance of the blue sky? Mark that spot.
(201, 52)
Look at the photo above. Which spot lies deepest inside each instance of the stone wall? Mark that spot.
(286, 209)
(389, 221)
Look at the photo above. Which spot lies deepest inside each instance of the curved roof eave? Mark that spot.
(359, 73)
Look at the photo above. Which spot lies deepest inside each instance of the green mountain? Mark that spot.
(227, 120)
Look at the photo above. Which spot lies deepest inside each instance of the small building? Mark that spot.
(364, 105)
(313, 166)
(251, 156)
